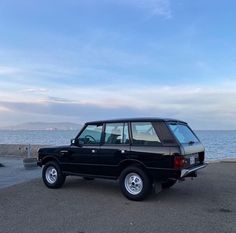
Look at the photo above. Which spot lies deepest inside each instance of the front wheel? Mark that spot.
(134, 183)
(52, 175)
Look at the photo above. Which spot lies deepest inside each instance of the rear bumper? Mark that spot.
(186, 172)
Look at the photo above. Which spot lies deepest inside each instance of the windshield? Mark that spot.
(183, 133)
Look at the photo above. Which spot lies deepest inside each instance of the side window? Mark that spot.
(144, 134)
(116, 133)
(91, 134)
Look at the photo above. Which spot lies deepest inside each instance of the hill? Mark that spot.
(45, 126)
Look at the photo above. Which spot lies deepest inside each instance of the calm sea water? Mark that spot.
(218, 144)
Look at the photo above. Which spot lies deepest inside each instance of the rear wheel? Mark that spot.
(52, 175)
(169, 183)
(134, 183)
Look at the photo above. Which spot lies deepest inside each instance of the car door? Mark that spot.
(147, 147)
(83, 156)
(115, 147)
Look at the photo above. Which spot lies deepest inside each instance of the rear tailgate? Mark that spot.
(193, 153)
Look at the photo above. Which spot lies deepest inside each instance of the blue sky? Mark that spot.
(70, 60)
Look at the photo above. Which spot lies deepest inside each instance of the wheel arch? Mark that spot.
(49, 158)
(131, 162)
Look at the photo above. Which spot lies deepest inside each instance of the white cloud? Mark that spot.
(155, 7)
(4, 109)
(36, 90)
(202, 106)
(7, 70)
(158, 7)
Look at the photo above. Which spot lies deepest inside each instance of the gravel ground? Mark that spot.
(206, 204)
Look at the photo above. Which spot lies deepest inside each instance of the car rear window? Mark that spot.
(183, 133)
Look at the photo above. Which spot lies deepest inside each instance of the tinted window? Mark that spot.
(116, 133)
(183, 133)
(91, 134)
(144, 134)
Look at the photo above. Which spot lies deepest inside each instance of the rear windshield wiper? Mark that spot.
(191, 142)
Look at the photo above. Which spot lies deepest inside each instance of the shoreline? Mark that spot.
(224, 160)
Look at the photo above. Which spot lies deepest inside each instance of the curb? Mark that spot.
(228, 161)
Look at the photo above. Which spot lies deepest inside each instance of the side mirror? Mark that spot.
(76, 142)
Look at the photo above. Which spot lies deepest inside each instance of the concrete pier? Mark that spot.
(19, 150)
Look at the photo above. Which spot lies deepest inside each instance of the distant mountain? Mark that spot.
(45, 126)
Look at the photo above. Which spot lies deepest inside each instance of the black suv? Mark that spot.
(139, 152)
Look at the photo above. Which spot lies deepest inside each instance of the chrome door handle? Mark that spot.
(93, 151)
(64, 152)
(122, 151)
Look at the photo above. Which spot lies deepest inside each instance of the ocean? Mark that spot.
(219, 144)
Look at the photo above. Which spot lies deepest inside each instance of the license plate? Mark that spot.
(192, 160)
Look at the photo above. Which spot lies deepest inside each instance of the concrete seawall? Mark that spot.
(19, 150)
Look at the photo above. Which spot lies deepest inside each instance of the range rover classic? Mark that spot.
(139, 152)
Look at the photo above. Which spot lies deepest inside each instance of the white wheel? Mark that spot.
(51, 175)
(133, 183)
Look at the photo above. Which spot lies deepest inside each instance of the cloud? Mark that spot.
(59, 99)
(4, 109)
(82, 61)
(155, 7)
(36, 90)
(203, 107)
(158, 7)
(7, 70)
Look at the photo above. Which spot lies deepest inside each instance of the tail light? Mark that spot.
(179, 162)
(201, 157)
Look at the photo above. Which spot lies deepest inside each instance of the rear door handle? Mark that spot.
(123, 151)
(93, 151)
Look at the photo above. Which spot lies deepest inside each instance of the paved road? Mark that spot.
(206, 204)
(14, 172)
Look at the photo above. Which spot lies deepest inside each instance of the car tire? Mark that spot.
(134, 183)
(52, 175)
(169, 183)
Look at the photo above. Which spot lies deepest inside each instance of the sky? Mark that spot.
(76, 61)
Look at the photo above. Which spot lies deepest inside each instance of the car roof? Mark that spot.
(137, 119)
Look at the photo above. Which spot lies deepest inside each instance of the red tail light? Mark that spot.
(179, 162)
